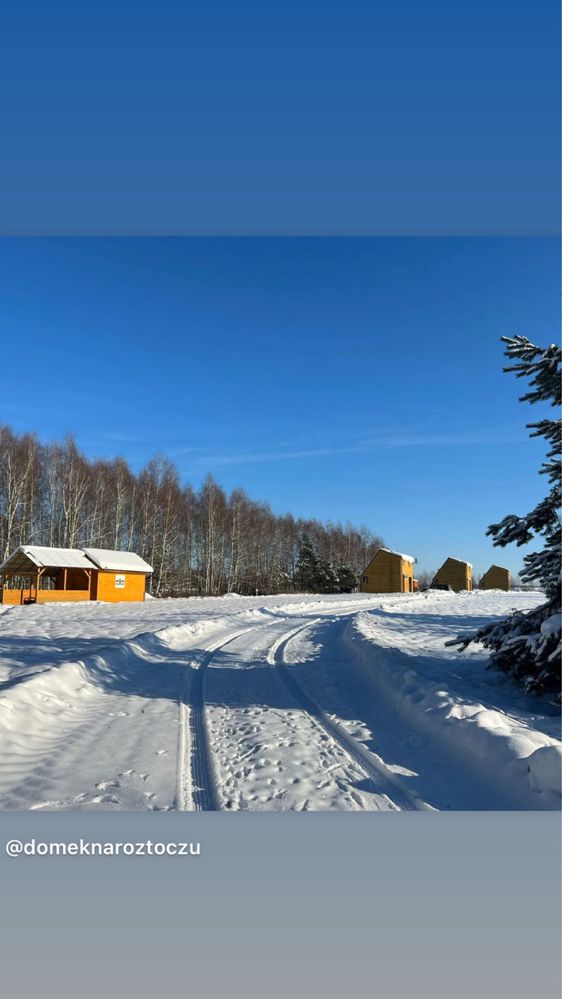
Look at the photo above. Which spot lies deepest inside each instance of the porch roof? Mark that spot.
(28, 558)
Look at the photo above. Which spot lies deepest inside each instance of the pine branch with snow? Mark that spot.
(526, 646)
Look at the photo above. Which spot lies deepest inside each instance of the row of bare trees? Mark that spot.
(199, 542)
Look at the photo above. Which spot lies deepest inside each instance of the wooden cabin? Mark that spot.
(454, 574)
(497, 578)
(389, 572)
(34, 574)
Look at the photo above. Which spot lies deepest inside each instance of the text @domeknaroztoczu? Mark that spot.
(100, 848)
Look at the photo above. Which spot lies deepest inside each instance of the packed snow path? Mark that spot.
(280, 703)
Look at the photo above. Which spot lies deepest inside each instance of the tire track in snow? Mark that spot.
(384, 781)
(197, 789)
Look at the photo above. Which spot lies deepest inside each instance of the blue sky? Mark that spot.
(349, 379)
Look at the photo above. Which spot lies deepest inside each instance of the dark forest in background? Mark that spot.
(199, 542)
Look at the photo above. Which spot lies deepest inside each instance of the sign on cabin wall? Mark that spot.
(119, 582)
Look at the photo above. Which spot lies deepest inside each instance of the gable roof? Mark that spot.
(26, 557)
(461, 561)
(407, 558)
(113, 561)
(388, 551)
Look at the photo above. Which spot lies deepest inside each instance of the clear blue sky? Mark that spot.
(348, 379)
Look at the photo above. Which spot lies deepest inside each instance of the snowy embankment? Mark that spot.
(400, 653)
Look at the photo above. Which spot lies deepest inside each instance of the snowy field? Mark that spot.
(269, 703)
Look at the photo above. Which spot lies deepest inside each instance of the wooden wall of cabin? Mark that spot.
(388, 573)
(31, 595)
(407, 576)
(495, 579)
(457, 575)
(9, 596)
(111, 587)
(60, 596)
(107, 590)
(76, 579)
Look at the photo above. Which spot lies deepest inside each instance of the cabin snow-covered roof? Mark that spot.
(407, 558)
(112, 561)
(42, 557)
(462, 561)
(27, 557)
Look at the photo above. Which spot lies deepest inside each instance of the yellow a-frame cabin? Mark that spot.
(454, 574)
(389, 572)
(497, 578)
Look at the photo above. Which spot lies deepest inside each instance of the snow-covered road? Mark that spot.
(268, 703)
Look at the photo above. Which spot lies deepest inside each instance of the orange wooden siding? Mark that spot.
(388, 573)
(56, 596)
(41, 596)
(497, 578)
(104, 586)
(12, 596)
(456, 574)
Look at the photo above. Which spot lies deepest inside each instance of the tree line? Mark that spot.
(202, 542)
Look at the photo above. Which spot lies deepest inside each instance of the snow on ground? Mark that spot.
(510, 740)
(293, 702)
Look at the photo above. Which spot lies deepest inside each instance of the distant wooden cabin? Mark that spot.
(389, 572)
(37, 575)
(454, 573)
(497, 578)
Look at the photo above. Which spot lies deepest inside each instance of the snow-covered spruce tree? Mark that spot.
(526, 645)
(307, 568)
(314, 574)
(327, 579)
(347, 581)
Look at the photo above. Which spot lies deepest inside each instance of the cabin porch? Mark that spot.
(45, 585)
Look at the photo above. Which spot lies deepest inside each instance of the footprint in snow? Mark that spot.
(127, 773)
(161, 752)
(105, 785)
